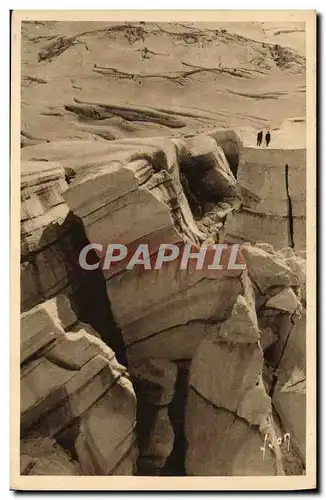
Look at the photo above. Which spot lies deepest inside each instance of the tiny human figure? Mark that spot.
(267, 138)
(259, 138)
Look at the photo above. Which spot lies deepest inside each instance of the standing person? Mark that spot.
(268, 138)
(259, 138)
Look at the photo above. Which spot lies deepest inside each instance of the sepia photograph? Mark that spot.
(163, 250)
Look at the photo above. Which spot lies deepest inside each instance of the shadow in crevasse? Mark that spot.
(175, 463)
(58, 256)
(203, 179)
(89, 298)
(153, 437)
